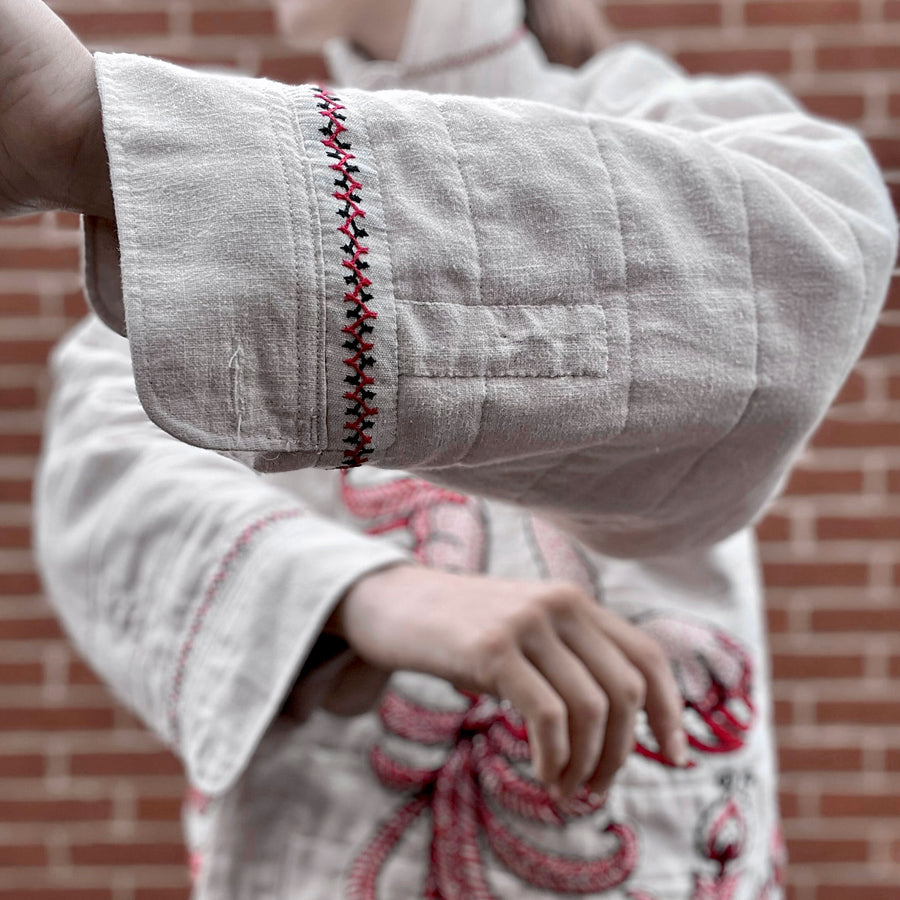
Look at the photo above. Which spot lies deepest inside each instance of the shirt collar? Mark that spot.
(443, 41)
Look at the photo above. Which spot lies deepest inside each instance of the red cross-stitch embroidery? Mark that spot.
(348, 193)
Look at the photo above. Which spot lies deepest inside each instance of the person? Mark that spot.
(599, 310)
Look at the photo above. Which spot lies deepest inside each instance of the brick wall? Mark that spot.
(89, 802)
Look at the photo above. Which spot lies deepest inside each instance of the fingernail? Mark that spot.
(677, 748)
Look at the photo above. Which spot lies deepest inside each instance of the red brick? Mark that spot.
(893, 298)
(810, 850)
(792, 666)
(21, 673)
(66, 221)
(894, 481)
(158, 763)
(293, 69)
(802, 12)
(256, 21)
(864, 528)
(784, 712)
(56, 719)
(788, 803)
(38, 257)
(886, 150)
(22, 765)
(819, 759)
(45, 629)
(895, 667)
(37, 809)
(18, 398)
(855, 56)
(159, 808)
(864, 433)
(15, 536)
(48, 893)
(885, 341)
(16, 444)
(863, 712)
(23, 855)
(25, 583)
(894, 387)
(880, 804)
(736, 61)
(30, 220)
(75, 305)
(825, 481)
(25, 351)
(662, 15)
(777, 620)
(158, 893)
(856, 891)
(19, 305)
(845, 107)
(853, 390)
(17, 491)
(893, 759)
(815, 574)
(857, 618)
(774, 528)
(146, 854)
(89, 25)
(81, 673)
(891, 10)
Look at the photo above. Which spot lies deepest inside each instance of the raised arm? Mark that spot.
(631, 321)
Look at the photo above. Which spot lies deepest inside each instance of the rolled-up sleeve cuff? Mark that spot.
(227, 263)
(247, 641)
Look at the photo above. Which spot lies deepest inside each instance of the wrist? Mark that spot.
(89, 190)
(372, 583)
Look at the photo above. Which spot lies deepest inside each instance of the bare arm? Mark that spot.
(52, 152)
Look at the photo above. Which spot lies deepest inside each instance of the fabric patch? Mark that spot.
(348, 193)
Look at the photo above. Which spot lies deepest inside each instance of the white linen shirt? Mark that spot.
(599, 311)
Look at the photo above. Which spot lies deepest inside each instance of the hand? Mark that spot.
(576, 672)
(52, 152)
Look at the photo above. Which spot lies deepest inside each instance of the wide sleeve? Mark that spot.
(195, 589)
(629, 320)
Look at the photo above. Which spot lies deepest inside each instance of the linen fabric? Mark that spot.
(698, 256)
(610, 303)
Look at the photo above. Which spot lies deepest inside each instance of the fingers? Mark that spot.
(623, 686)
(663, 702)
(586, 705)
(543, 710)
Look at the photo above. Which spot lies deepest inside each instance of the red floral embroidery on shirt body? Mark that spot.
(715, 675)
(462, 794)
(348, 193)
(447, 528)
(477, 776)
(722, 838)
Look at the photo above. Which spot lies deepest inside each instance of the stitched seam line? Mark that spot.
(463, 60)
(226, 567)
(295, 230)
(349, 195)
